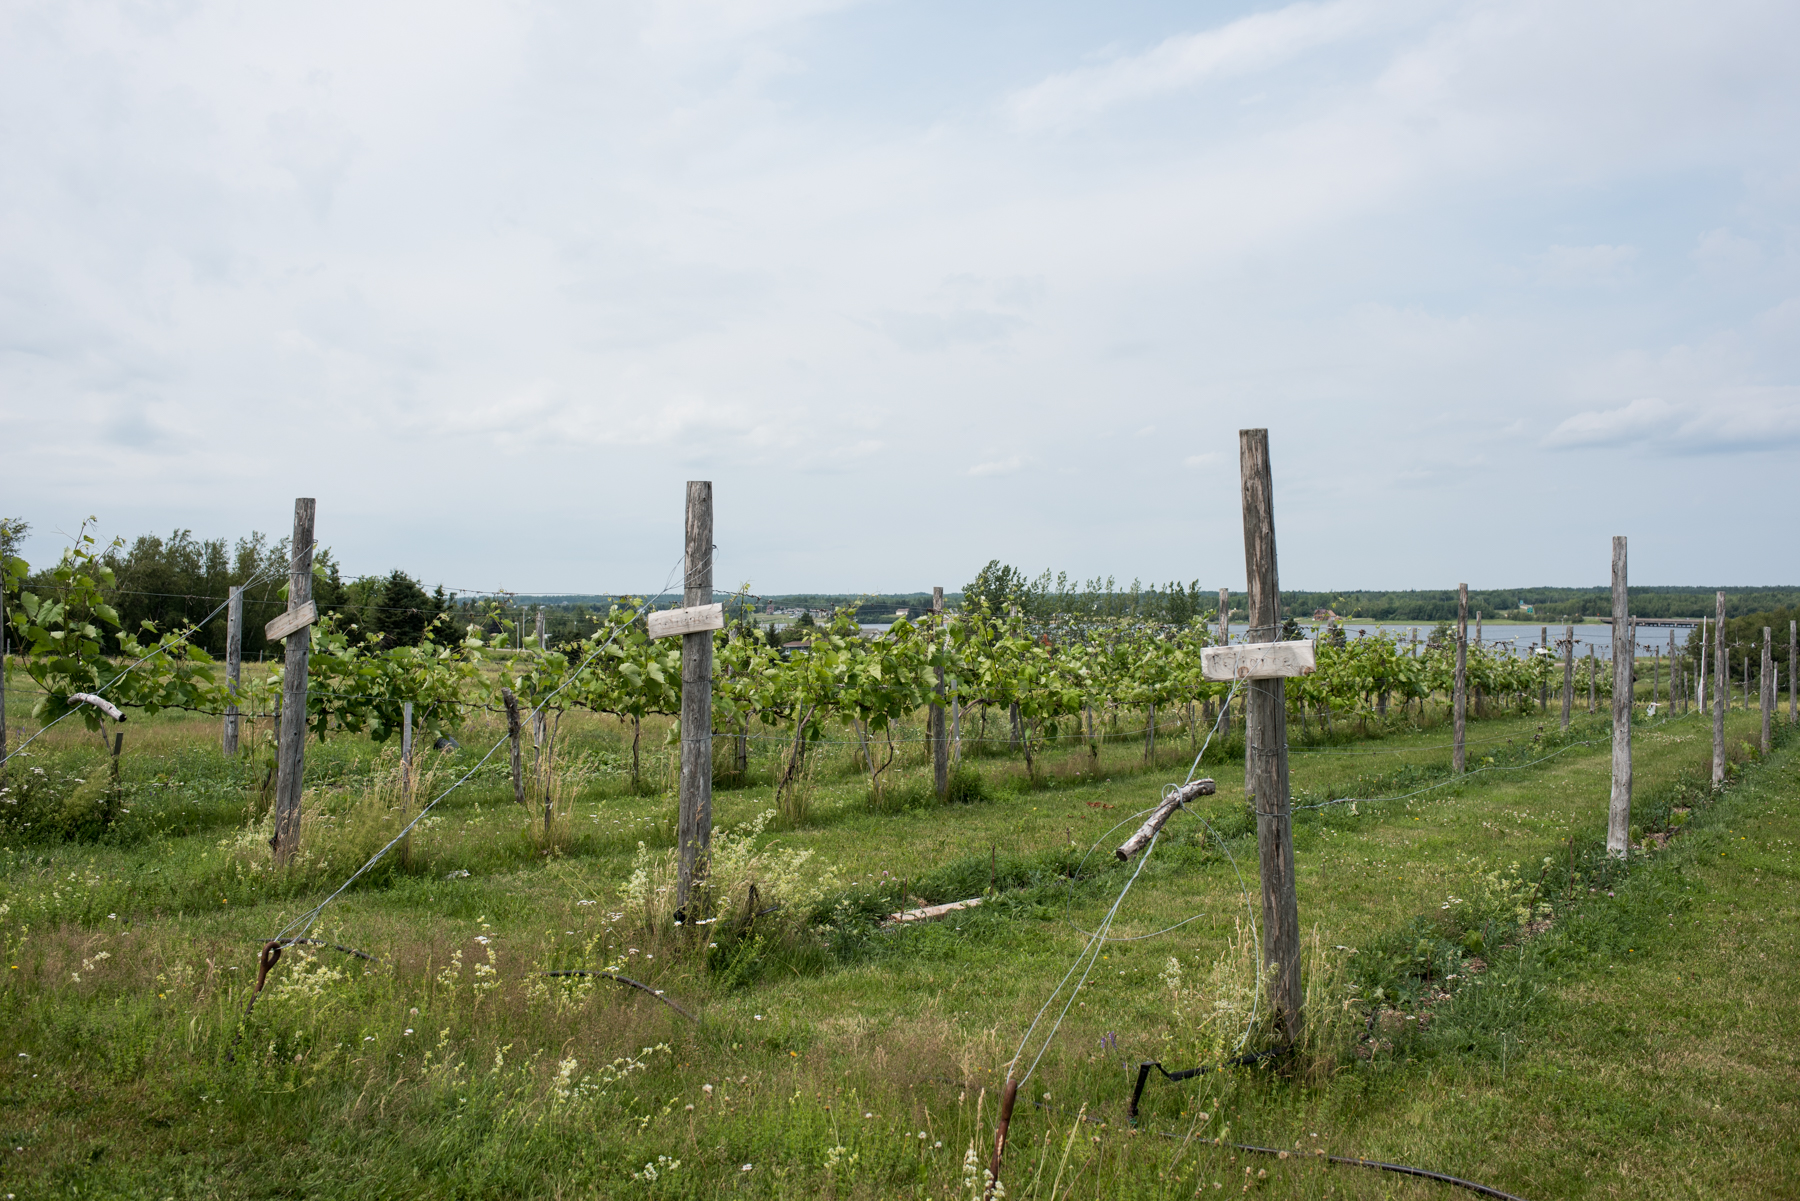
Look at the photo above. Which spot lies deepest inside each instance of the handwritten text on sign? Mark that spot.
(1258, 661)
(694, 620)
(291, 621)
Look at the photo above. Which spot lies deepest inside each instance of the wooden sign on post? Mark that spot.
(1258, 660)
(695, 619)
(292, 620)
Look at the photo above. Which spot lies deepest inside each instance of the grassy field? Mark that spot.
(1489, 997)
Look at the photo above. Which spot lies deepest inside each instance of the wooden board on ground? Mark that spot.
(292, 620)
(1258, 660)
(693, 620)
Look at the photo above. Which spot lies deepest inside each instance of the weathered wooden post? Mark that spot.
(1224, 640)
(1544, 687)
(1268, 755)
(695, 833)
(1618, 823)
(1460, 691)
(1700, 676)
(1568, 673)
(296, 627)
(1721, 682)
(406, 785)
(1593, 676)
(512, 740)
(1793, 666)
(234, 659)
(1765, 690)
(1674, 673)
(940, 746)
(4, 745)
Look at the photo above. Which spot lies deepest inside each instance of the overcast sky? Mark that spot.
(916, 285)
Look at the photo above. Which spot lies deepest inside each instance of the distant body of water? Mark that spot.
(1519, 639)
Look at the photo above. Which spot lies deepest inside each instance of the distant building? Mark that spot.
(1325, 615)
(1525, 608)
(902, 612)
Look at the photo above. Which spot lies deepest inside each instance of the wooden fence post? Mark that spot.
(1224, 638)
(1793, 664)
(234, 658)
(291, 746)
(1765, 691)
(1674, 688)
(695, 835)
(406, 786)
(1268, 754)
(1568, 673)
(512, 738)
(1721, 681)
(1618, 822)
(1701, 676)
(940, 746)
(1544, 688)
(4, 745)
(1593, 676)
(1460, 690)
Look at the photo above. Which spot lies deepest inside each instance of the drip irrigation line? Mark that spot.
(135, 664)
(304, 921)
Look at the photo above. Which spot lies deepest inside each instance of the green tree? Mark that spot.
(403, 610)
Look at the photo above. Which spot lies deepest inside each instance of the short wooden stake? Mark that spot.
(1765, 691)
(1460, 690)
(4, 745)
(1225, 640)
(291, 745)
(1618, 823)
(406, 783)
(234, 660)
(1544, 688)
(1267, 749)
(512, 737)
(694, 836)
(1593, 676)
(940, 745)
(1721, 683)
(1568, 674)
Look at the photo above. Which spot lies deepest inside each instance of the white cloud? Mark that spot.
(1241, 47)
(1006, 466)
(1634, 422)
(1723, 253)
(1577, 266)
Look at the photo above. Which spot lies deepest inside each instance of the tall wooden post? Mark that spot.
(234, 659)
(695, 834)
(1593, 676)
(1460, 690)
(1618, 822)
(1765, 691)
(1674, 674)
(291, 746)
(512, 741)
(1267, 749)
(1793, 666)
(1544, 688)
(940, 745)
(406, 785)
(1721, 682)
(1224, 638)
(1568, 673)
(5, 747)
(1701, 676)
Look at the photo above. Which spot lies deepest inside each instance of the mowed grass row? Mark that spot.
(449, 1068)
